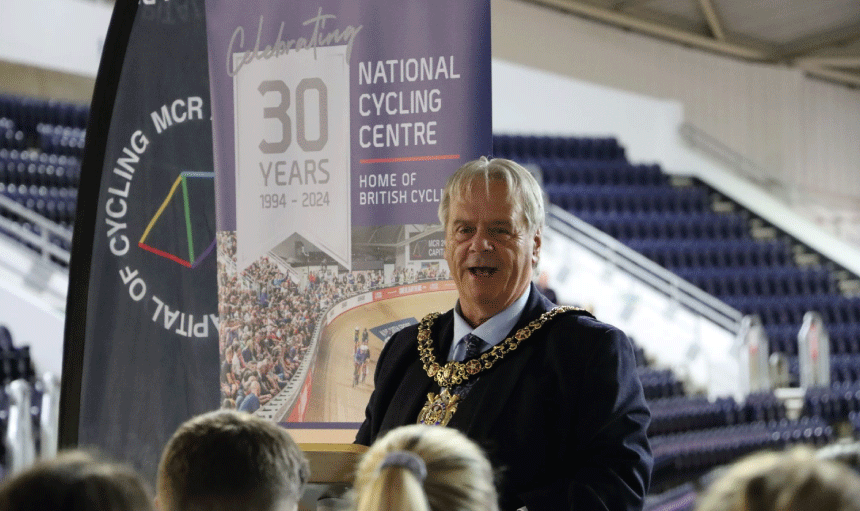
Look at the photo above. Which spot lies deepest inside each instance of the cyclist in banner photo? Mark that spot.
(550, 392)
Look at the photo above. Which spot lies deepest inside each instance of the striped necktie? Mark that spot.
(469, 346)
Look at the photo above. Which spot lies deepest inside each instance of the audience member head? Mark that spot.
(75, 481)
(226, 461)
(426, 468)
(792, 481)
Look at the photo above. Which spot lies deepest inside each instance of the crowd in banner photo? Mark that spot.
(268, 315)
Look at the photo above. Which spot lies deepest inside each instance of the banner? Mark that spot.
(336, 126)
(141, 350)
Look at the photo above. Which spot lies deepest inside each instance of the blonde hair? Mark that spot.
(792, 481)
(458, 475)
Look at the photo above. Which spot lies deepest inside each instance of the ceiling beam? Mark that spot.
(627, 4)
(832, 75)
(656, 29)
(713, 19)
(848, 62)
(807, 46)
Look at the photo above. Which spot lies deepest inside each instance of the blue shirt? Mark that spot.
(492, 331)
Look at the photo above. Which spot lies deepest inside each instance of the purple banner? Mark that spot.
(335, 127)
(419, 92)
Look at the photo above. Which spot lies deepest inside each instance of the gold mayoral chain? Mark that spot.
(440, 408)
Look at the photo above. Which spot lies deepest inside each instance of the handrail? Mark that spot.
(697, 138)
(42, 242)
(644, 269)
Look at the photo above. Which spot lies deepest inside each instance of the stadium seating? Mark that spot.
(660, 383)
(528, 149)
(732, 253)
(41, 144)
(728, 252)
(679, 457)
(694, 231)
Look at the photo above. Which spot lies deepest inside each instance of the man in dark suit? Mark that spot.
(551, 393)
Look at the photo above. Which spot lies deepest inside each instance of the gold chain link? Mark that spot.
(454, 373)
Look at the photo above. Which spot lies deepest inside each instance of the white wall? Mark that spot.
(61, 35)
(801, 129)
(534, 102)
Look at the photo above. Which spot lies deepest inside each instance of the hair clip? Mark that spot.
(408, 460)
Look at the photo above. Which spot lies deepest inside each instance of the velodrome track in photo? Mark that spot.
(333, 397)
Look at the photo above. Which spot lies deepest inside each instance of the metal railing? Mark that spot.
(744, 166)
(42, 242)
(642, 268)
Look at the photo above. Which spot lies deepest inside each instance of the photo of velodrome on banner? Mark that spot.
(336, 125)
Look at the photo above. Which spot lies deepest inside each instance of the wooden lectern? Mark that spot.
(332, 470)
(333, 463)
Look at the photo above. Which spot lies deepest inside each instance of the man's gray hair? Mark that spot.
(523, 188)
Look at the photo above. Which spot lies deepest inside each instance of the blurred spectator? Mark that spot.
(75, 481)
(231, 461)
(543, 286)
(792, 481)
(427, 468)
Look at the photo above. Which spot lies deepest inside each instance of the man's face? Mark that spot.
(489, 251)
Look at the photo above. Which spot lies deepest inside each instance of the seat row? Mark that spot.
(60, 131)
(27, 113)
(680, 457)
(683, 413)
(55, 204)
(27, 157)
(854, 420)
(40, 174)
(62, 144)
(844, 338)
(845, 367)
(628, 199)
(833, 403)
(599, 173)
(525, 148)
(12, 139)
(670, 226)
(761, 406)
(659, 383)
(778, 281)
(834, 309)
(731, 253)
(38, 192)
